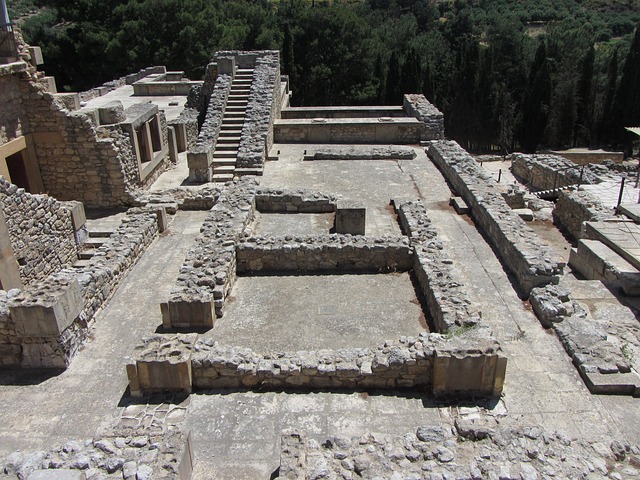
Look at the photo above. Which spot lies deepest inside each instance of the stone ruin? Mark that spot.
(60, 153)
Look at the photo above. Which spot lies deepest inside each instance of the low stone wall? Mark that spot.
(573, 208)
(48, 322)
(342, 112)
(605, 365)
(359, 153)
(186, 124)
(41, 232)
(200, 156)
(416, 105)
(323, 254)
(209, 269)
(475, 448)
(544, 172)
(263, 107)
(447, 300)
(294, 201)
(358, 130)
(119, 82)
(528, 258)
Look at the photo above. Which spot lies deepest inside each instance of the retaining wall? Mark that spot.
(523, 253)
(544, 172)
(416, 105)
(572, 209)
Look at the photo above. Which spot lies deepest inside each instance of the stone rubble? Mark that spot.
(469, 450)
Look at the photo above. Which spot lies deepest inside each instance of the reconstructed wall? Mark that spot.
(323, 254)
(416, 105)
(544, 172)
(119, 82)
(523, 253)
(573, 208)
(200, 156)
(263, 107)
(357, 130)
(13, 118)
(49, 321)
(40, 230)
(446, 298)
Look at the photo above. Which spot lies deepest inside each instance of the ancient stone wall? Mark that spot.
(323, 254)
(523, 253)
(447, 300)
(49, 321)
(574, 208)
(294, 201)
(263, 107)
(357, 130)
(200, 156)
(78, 161)
(416, 105)
(41, 232)
(119, 82)
(544, 172)
(13, 118)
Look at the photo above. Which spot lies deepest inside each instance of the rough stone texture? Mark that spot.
(119, 82)
(544, 172)
(41, 232)
(263, 107)
(531, 261)
(369, 153)
(446, 298)
(418, 106)
(574, 208)
(199, 156)
(323, 253)
(471, 450)
(294, 201)
(209, 269)
(189, 119)
(96, 281)
(180, 198)
(406, 363)
(598, 349)
(142, 454)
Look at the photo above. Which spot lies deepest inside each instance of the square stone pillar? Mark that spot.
(350, 218)
(227, 66)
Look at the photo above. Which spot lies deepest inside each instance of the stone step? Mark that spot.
(82, 263)
(223, 169)
(98, 232)
(231, 130)
(232, 127)
(249, 171)
(239, 92)
(223, 162)
(232, 115)
(616, 239)
(228, 146)
(95, 242)
(228, 138)
(87, 254)
(222, 177)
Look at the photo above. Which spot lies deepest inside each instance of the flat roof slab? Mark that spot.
(290, 313)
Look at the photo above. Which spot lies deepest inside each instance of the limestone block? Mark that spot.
(49, 84)
(350, 218)
(468, 374)
(47, 315)
(36, 55)
(57, 474)
(199, 160)
(112, 112)
(173, 145)
(76, 210)
(226, 66)
(459, 205)
(524, 213)
(193, 313)
(161, 213)
(71, 101)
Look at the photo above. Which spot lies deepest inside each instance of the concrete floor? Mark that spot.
(236, 434)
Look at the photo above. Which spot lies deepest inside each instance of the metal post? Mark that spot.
(5, 23)
(620, 194)
(499, 175)
(580, 179)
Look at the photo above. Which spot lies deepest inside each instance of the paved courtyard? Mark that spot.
(236, 433)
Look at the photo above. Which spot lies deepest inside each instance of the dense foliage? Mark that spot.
(508, 75)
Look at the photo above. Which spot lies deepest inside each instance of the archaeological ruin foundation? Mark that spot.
(200, 280)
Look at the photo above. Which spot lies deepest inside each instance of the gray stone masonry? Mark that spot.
(606, 366)
(209, 270)
(416, 105)
(263, 107)
(41, 232)
(576, 207)
(544, 172)
(369, 153)
(446, 298)
(529, 259)
(323, 254)
(44, 325)
(474, 449)
(200, 156)
(119, 82)
(294, 201)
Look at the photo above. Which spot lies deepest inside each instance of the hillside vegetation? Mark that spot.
(507, 74)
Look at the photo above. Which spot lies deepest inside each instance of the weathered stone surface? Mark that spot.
(418, 106)
(359, 153)
(529, 259)
(574, 208)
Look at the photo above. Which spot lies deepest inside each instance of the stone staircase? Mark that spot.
(554, 193)
(225, 154)
(98, 236)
